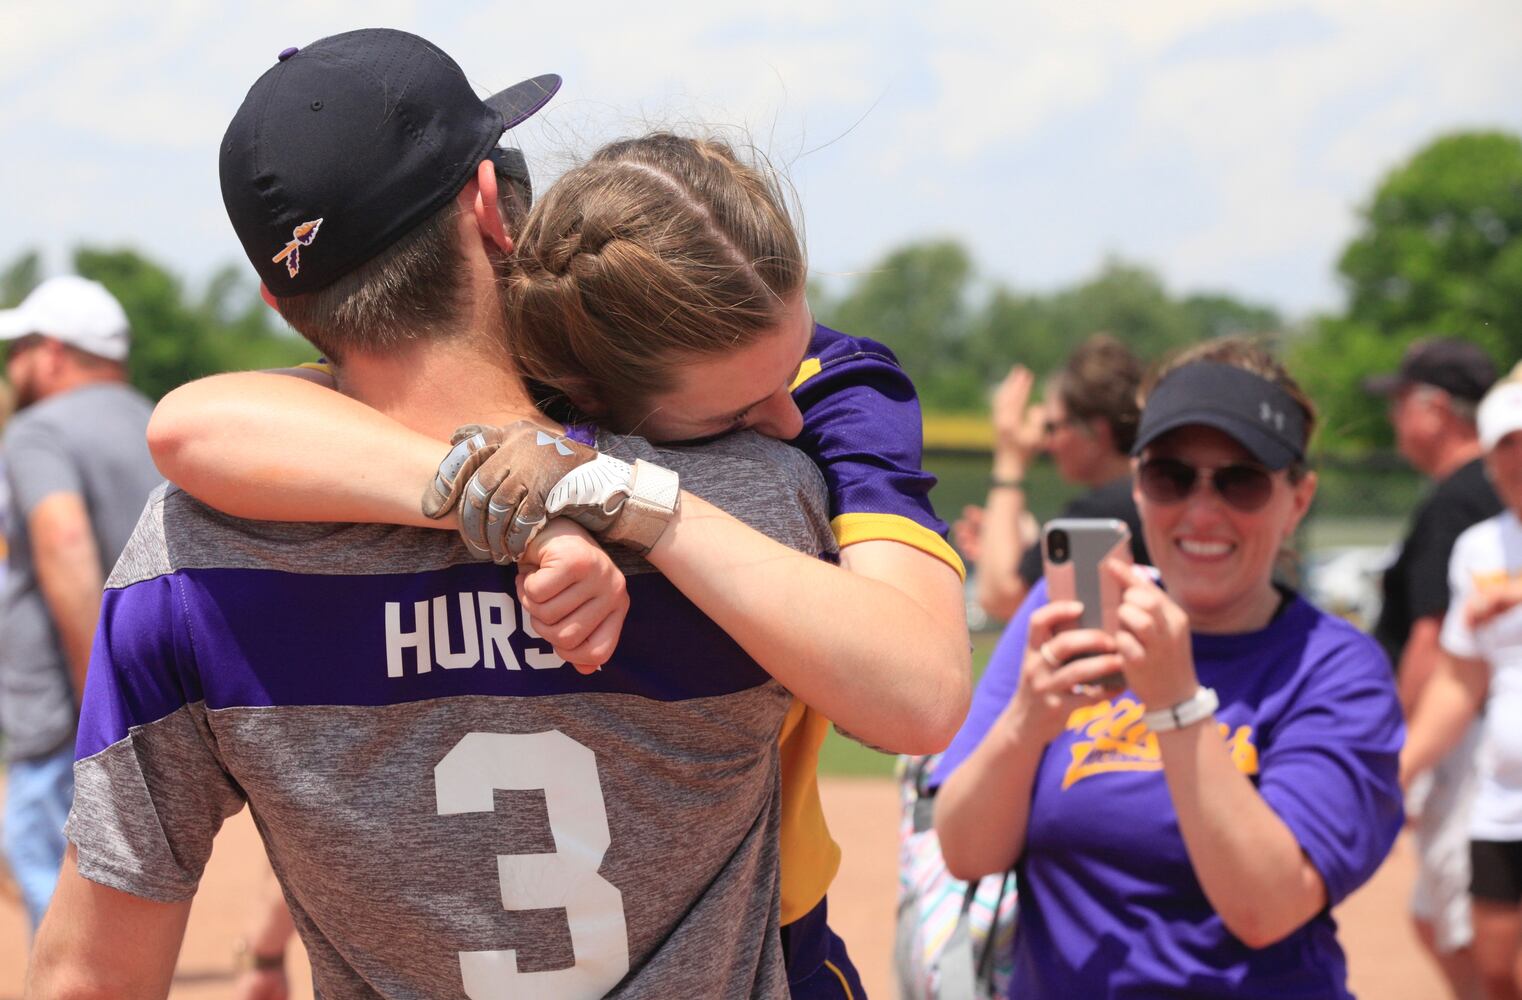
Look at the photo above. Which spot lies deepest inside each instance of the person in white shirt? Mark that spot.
(1481, 672)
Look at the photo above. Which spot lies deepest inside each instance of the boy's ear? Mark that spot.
(268, 296)
(487, 210)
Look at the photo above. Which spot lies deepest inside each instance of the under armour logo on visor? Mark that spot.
(544, 439)
(301, 236)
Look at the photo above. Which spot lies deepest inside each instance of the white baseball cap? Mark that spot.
(1500, 413)
(74, 310)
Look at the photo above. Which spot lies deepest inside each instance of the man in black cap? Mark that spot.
(449, 808)
(1433, 398)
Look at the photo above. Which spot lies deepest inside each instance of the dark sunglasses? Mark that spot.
(1168, 480)
(1050, 427)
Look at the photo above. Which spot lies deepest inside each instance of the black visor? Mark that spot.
(1254, 412)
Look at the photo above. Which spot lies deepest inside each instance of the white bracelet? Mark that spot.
(1196, 708)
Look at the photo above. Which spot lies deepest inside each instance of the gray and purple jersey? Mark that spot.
(451, 809)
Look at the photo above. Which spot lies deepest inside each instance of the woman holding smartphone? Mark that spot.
(1189, 834)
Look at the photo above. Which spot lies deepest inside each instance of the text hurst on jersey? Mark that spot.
(484, 624)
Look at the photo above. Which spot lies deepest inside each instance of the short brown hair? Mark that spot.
(657, 249)
(1251, 355)
(412, 290)
(1100, 381)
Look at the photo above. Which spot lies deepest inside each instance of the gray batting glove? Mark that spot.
(510, 481)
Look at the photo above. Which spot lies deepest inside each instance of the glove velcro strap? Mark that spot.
(655, 493)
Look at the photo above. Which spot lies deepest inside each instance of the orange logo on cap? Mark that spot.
(301, 236)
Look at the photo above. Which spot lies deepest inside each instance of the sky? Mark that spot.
(1228, 144)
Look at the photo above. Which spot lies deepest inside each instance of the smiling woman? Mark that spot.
(1189, 834)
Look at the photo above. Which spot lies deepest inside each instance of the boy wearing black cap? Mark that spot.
(449, 809)
(1432, 402)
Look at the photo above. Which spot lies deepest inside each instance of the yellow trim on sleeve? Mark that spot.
(852, 528)
(845, 986)
(806, 371)
(326, 367)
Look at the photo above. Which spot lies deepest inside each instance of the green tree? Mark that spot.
(20, 277)
(1438, 251)
(915, 301)
(176, 339)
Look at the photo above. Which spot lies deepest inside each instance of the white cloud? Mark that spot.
(1226, 140)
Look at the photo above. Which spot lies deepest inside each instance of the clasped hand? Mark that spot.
(1063, 665)
(501, 480)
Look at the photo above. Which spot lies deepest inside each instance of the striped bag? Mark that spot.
(954, 940)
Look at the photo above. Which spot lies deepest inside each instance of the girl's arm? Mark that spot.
(890, 668)
(1007, 524)
(269, 447)
(1449, 703)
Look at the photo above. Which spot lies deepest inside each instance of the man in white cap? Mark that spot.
(77, 464)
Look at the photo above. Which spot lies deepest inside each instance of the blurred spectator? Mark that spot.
(260, 955)
(79, 473)
(1087, 422)
(1479, 677)
(1433, 397)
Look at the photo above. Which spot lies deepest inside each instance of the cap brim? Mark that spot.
(518, 102)
(1383, 385)
(1273, 453)
(13, 324)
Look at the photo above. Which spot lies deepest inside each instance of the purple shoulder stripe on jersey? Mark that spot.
(265, 638)
(141, 625)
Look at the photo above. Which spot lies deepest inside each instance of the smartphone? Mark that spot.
(1073, 549)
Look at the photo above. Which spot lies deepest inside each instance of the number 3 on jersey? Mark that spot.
(567, 772)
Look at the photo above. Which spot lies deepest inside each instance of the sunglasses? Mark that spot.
(1050, 427)
(1168, 481)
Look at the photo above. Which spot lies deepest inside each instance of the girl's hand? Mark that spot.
(1488, 602)
(1017, 424)
(967, 532)
(1153, 642)
(573, 594)
(1058, 674)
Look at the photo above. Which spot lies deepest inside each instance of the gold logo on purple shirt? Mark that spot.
(301, 236)
(1111, 737)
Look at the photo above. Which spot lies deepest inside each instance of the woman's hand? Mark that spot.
(1017, 424)
(1058, 674)
(1488, 602)
(574, 595)
(1153, 642)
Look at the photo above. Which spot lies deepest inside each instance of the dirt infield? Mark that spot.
(863, 812)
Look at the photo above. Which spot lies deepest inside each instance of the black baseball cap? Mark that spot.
(342, 147)
(1452, 364)
(1255, 412)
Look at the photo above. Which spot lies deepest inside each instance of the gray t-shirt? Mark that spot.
(88, 441)
(450, 808)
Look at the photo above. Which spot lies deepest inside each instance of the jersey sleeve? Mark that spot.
(1329, 769)
(1457, 638)
(996, 688)
(862, 426)
(150, 791)
(38, 465)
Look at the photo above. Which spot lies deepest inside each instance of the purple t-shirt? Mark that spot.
(1109, 904)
